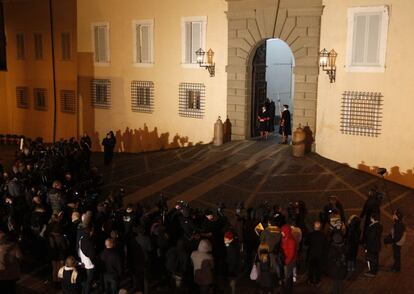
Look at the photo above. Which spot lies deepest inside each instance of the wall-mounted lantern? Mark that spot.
(327, 61)
(209, 65)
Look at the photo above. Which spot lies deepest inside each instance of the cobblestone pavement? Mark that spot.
(256, 171)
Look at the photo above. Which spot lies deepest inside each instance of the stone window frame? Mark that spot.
(106, 62)
(194, 109)
(370, 10)
(184, 21)
(148, 89)
(150, 24)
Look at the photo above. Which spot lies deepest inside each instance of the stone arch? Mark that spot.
(250, 23)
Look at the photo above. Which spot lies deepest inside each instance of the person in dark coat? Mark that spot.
(397, 239)
(178, 263)
(353, 235)
(337, 262)
(112, 267)
(233, 257)
(58, 245)
(264, 118)
(285, 126)
(272, 112)
(109, 144)
(372, 205)
(267, 269)
(70, 277)
(10, 256)
(334, 206)
(373, 245)
(317, 244)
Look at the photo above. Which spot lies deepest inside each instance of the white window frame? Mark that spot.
(352, 12)
(184, 20)
(135, 23)
(93, 25)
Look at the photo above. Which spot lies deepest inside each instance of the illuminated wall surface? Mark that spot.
(392, 148)
(163, 126)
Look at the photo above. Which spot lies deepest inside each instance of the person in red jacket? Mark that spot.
(289, 252)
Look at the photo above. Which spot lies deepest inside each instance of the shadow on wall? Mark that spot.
(393, 174)
(142, 139)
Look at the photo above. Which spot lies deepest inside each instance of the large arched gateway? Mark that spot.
(250, 23)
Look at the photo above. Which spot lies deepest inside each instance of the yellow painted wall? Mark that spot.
(3, 102)
(31, 17)
(393, 149)
(164, 126)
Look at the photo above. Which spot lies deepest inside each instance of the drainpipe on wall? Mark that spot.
(53, 71)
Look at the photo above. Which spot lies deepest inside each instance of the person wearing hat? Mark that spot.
(264, 119)
(397, 239)
(285, 128)
(232, 259)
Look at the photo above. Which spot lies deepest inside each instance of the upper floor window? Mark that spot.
(66, 46)
(193, 37)
(367, 38)
(143, 38)
(100, 39)
(38, 46)
(20, 48)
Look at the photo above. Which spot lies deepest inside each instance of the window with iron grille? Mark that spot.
(67, 101)
(361, 113)
(101, 93)
(66, 46)
(38, 41)
(40, 98)
(142, 96)
(22, 97)
(191, 100)
(20, 50)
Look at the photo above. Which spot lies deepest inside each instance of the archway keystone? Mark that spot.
(250, 22)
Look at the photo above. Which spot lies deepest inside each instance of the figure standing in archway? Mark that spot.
(285, 129)
(264, 119)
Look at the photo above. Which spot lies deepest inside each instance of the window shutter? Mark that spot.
(138, 44)
(358, 52)
(145, 44)
(188, 40)
(373, 40)
(101, 54)
(196, 28)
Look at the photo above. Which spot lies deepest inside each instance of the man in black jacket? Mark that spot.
(112, 267)
(397, 239)
(233, 257)
(373, 245)
(317, 247)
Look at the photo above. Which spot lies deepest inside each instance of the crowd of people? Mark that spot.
(95, 243)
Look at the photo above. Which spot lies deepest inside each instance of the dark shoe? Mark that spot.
(370, 275)
(394, 270)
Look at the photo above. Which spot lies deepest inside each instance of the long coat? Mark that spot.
(285, 124)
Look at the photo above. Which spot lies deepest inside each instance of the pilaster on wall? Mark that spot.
(251, 22)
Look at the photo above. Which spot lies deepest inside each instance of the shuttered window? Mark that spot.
(367, 34)
(143, 41)
(194, 34)
(20, 47)
(66, 46)
(38, 46)
(101, 42)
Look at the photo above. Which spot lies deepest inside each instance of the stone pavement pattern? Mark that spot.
(253, 172)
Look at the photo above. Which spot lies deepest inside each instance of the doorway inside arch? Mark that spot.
(272, 82)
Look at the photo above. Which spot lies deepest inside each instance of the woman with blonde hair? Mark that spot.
(267, 269)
